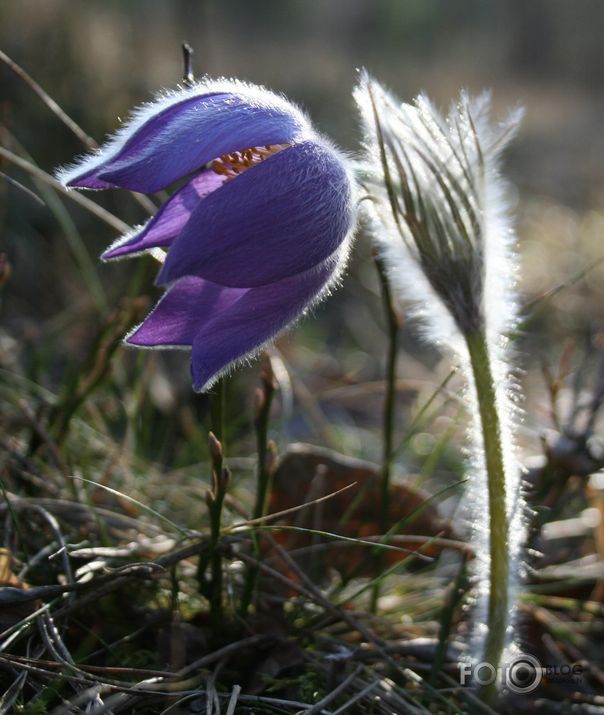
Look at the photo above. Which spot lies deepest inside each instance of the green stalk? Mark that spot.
(498, 524)
(215, 506)
(217, 411)
(388, 415)
(212, 555)
(264, 471)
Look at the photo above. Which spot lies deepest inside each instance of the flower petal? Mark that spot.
(256, 318)
(170, 219)
(225, 325)
(179, 134)
(187, 305)
(279, 218)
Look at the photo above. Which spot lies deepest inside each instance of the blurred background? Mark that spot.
(99, 58)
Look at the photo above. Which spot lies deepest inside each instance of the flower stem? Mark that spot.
(388, 414)
(220, 479)
(212, 555)
(216, 561)
(261, 423)
(490, 425)
(215, 500)
(264, 398)
(217, 411)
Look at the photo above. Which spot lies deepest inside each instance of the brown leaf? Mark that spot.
(305, 473)
(7, 577)
(10, 615)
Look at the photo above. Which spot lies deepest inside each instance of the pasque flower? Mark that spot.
(257, 231)
(442, 224)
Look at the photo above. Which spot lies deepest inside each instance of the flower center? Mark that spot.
(235, 163)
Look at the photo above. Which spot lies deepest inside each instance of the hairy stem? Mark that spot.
(490, 425)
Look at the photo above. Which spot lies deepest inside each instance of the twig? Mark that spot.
(446, 620)
(315, 709)
(46, 439)
(92, 669)
(253, 642)
(49, 102)
(12, 693)
(56, 530)
(188, 78)
(54, 643)
(422, 540)
(18, 185)
(527, 311)
(89, 205)
(340, 614)
(286, 512)
(75, 128)
(355, 698)
(233, 701)
(376, 542)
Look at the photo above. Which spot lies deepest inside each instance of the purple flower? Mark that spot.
(258, 232)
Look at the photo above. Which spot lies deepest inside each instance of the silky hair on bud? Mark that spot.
(440, 218)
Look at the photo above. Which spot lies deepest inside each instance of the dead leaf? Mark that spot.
(7, 577)
(305, 473)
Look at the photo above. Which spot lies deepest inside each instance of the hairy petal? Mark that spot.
(170, 219)
(226, 325)
(256, 318)
(185, 307)
(279, 218)
(175, 136)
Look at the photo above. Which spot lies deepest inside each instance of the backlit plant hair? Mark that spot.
(441, 222)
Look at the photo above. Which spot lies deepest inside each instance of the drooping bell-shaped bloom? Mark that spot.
(257, 231)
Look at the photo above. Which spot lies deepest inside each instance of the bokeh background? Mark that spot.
(99, 58)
